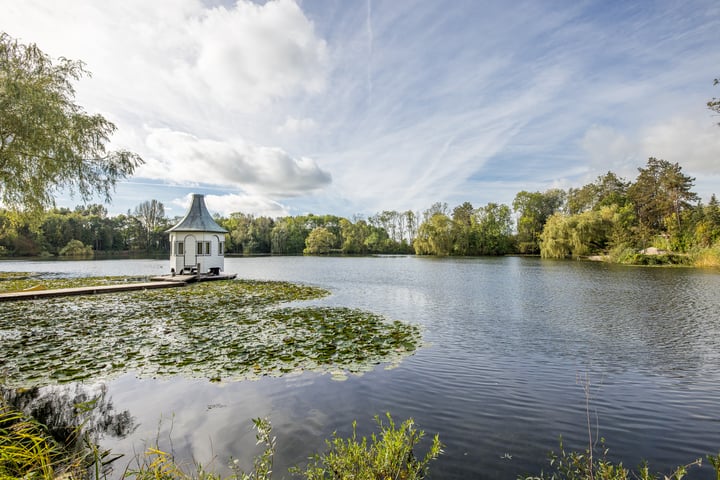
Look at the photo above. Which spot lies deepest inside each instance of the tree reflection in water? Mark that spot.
(77, 416)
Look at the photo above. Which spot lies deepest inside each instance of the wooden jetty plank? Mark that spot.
(91, 290)
(175, 278)
(203, 277)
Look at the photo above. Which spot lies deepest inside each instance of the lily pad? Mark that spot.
(215, 330)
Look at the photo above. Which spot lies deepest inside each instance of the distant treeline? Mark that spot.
(610, 216)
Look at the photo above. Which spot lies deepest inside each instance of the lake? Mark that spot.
(510, 343)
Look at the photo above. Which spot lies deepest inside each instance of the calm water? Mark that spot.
(509, 342)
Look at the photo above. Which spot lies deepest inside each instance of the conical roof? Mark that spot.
(198, 219)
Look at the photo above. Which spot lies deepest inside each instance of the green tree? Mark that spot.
(464, 231)
(660, 194)
(534, 209)
(151, 215)
(76, 248)
(435, 236)
(288, 235)
(608, 189)
(354, 236)
(240, 227)
(612, 190)
(411, 226)
(495, 228)
(577, 235)
(47, 141)
(319, 241)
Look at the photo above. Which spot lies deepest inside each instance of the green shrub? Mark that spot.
(660, 259)
(621, 253)
(389, 455)
(584, 466)
(75, 248)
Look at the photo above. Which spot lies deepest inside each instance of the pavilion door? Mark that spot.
(190, 253)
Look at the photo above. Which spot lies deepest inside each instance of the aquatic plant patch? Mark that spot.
(18, 281)
(214, 330)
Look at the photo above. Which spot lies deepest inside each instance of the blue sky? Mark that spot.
(353, 107)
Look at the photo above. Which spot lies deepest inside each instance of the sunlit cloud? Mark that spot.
(331, 108)
(228, 204)
(294, 125)
(183, 158)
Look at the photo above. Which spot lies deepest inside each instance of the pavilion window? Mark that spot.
(203, 248)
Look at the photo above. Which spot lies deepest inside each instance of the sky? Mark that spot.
(352, 107)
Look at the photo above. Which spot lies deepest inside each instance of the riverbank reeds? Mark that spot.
(29, 451)
(576, 465)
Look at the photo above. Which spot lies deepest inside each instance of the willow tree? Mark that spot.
(47, 141)
(581, 234)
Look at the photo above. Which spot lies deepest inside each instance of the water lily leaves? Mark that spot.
(214, 330)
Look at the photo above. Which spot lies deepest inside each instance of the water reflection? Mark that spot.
(505, 341)
(76, 416)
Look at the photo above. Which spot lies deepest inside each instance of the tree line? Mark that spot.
(608, 216)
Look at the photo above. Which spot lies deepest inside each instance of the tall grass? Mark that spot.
(707, 257)
(27, 450)
(583, 466)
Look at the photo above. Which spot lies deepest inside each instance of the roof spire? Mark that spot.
(198, 219)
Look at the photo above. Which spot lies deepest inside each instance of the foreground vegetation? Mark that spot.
(585, 466)
(28, 449)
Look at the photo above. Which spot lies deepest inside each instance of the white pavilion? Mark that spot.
(197, 242)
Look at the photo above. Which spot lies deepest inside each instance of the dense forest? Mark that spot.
(611, 216)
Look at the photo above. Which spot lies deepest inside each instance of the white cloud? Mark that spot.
(695, 145)
(178, 63)
(687, 140)
(610, 150)
(183, 158)
(294, 125)
(684, 140)
(406, 103)
(261, 50)
(227, 204)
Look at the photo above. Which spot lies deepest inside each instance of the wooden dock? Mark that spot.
(203, 277)
(91, 290)
(163, 281)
